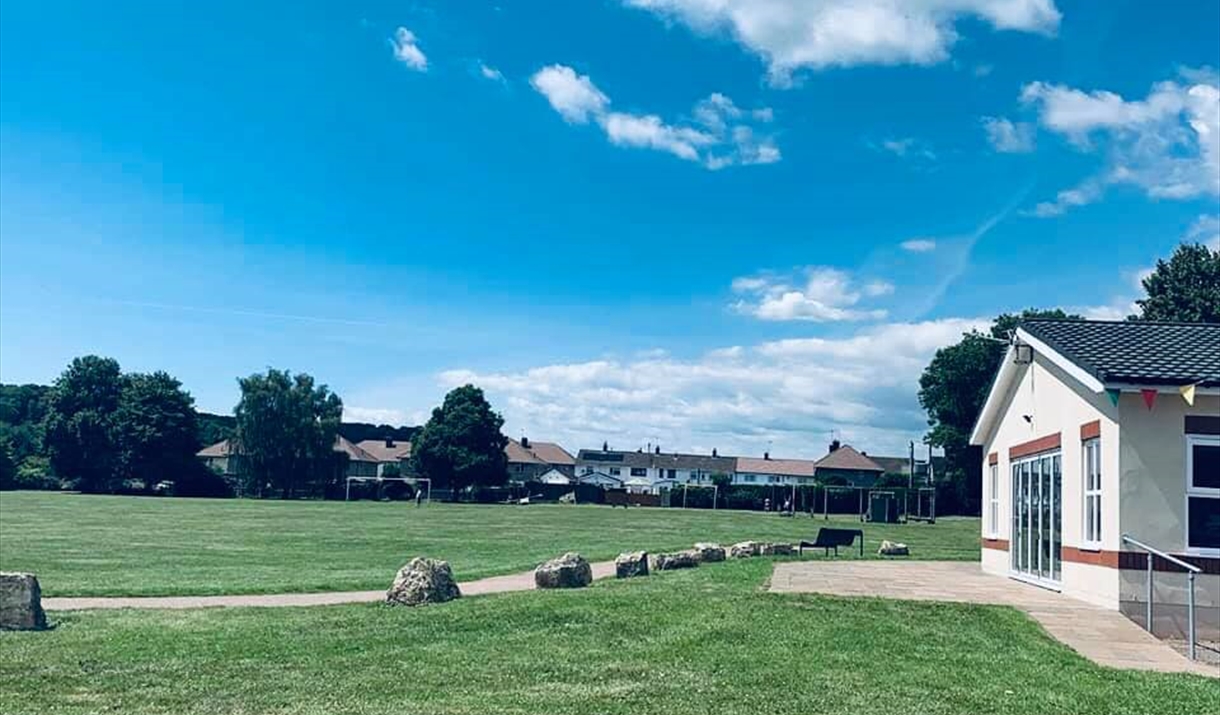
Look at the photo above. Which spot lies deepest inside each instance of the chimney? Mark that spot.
(389, 442)
(834, 445)
(714, 452)
(766, 455)
(658, 449)
(605, 446)
(863, 453)
(525, 442)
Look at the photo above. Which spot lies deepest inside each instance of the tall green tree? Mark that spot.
(285, 431)
(8, 468)
(954, 387)
(157, 428)
(80, 436)
(1185, 288)
(462, 444)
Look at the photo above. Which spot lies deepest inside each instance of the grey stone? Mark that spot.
(893, 548)
(709, 553)
(677, 560)
(630, 564)
(423, 581)
(21, 603)
(568, 571)
(779, 549)
(744, 549)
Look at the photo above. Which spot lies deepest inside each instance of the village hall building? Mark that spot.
(1094, 430)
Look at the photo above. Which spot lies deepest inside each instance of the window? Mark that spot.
(639, 472)
(588, 470)
(1092, 493)
(993, 503)
(671, 474)
(615, 471)
(747, 477)
(1203, 493)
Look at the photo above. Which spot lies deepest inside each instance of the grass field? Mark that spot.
(99, 546)
(702, 641)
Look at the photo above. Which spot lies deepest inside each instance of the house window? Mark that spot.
(747, 478)
(1203, 493)
(993, 503)
(615, 471)
(588, 470)
(1092, 493)
(672, 474)
(639, 472)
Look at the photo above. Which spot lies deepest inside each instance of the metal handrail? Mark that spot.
(1191, 570)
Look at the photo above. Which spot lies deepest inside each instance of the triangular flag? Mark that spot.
(1149, 397)
(1188, 394)
(1113, 394)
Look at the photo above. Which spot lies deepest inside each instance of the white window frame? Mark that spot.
(1197, 492)
(993, 501)
(1091, 499)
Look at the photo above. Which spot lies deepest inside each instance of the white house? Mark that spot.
(1093, 430)
(760, 472)
(600, 479)
(643, 470)
(553, 476)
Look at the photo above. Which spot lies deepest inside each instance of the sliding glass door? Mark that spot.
(1037, 518)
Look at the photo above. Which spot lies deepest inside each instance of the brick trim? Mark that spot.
(993, 458)
(996, 544)
(1090, 430)
(1137, 560)
(1109, 559)
(1034, 446)
(1202, 424)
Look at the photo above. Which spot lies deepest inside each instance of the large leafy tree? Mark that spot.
(285, 431)
(22, 411)
(462, 444)
(157, 428)
(954, 387)
(80, 433)
(1184, 288)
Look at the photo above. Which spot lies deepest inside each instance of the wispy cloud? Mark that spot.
(491, 73)
(407, 51)
(816, 294)
(919, 245)
(1008, 137)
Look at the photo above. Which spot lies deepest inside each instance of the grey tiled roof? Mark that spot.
(1136, 352)
(664, 460)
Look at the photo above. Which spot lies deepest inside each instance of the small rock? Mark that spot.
(893, 548)
(423, 581)
(631, 564)
(568, 571)
(743, 549)
(709, 553)
(21, 603)
(677, 560)
(779, 549)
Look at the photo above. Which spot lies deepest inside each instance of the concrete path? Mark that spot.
(495, 584)
(1103, 636)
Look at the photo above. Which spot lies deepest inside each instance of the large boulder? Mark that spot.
(677, 560)
(893, 548)
(423, 581)
(568, 571)
(631, 564)
(21, 603)
(780, 549)
(708, 553)
(744, 549)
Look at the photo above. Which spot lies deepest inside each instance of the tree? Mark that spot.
(157, 427)
(79, 432)
(285, 431)
(1185, 288)
(462, 444)
(8, 469)
(954, 387)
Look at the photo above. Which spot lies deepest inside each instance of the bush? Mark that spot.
(35, 473)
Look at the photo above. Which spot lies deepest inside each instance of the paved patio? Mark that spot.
(1103, 636)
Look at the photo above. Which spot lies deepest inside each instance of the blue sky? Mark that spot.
(722, 224)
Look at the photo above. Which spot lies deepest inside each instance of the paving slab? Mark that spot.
(1103, 636)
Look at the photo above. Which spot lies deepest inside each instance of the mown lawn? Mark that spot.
(703, 641)
(98, 546)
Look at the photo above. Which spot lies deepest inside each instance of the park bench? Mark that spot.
(832, 539)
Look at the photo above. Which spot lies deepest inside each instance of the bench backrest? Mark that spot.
(837, 537)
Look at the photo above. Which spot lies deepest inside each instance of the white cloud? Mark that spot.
(735, 399)
(919, 245)
(1008, 137)
(817, 294)
(574, 96)
(374, 415)
(1167, 144)
(490, 72)
(720, 135)
(798, 34)
(406, 50)
(1205, 230)
(906, 147)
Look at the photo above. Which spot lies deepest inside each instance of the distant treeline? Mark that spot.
(213, 428)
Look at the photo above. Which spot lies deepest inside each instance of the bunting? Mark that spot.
(1113, 394)
(1149, 397)
(1188, 394)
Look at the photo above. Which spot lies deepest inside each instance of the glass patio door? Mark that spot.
(1037, 518)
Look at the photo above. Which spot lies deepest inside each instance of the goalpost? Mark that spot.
(715, 492)
(413, 481)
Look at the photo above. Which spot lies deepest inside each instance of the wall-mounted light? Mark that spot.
(1024, 354)
(1029, 419)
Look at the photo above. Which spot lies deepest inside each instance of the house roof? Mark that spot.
(537, 453)
(382, 452)
(1133, 352)
(597, 476)
(847, 458)
(664, 460)
(224, 448)
(893, 465)
(783, 467)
